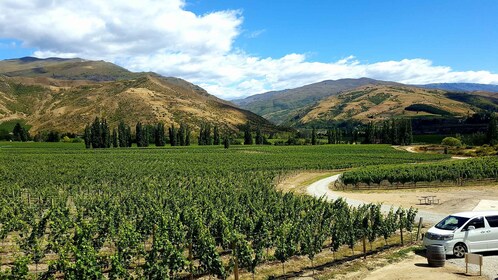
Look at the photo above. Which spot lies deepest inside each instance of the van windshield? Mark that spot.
(451, 223)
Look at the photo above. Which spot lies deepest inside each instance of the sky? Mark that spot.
(236, 48)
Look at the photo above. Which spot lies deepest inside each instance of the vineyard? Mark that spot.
(455, 171)
(160, 213)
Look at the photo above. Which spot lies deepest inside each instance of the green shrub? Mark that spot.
(451, 141)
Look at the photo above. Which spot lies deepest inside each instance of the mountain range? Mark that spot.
(66, 94)
(367, 99)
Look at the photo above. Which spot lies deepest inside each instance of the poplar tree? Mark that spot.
(216, 136)
(139, 135)
(226, 141)
(259, 136)
(106, 134)
(313, 136)
(96, 134)
(187, 135)
(128, 136)
(200, 140)
(115, 142)
(207, 135)
(172, 135)
(145, 136)
(492, 133)
(181, 135)
(122, 135)
(247, 134)
(159, 135)
(87, 137)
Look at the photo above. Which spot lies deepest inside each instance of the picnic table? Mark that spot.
(428, 199)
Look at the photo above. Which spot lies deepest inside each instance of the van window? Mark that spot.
(476, 222)
(451, 223)
(492, 221)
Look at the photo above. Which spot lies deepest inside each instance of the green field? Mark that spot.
(141, 212)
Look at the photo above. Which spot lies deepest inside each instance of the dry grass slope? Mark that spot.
(378, 102)
(64, 105)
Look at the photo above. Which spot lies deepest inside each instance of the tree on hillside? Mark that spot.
(247, 134)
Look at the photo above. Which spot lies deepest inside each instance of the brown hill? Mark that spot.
(378, 102)
(68, 105)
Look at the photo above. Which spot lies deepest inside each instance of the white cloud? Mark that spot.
(163, 36)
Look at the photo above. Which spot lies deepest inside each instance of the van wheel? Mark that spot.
(459, 250)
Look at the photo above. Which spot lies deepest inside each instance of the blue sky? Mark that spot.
(235, 48)
(461, 34)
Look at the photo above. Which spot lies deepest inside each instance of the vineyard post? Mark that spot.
(235, 262)
(364, 247)
(190, 259)
(419, 227)
(401, 227)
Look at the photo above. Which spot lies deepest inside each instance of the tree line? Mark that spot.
(98, 135)
(395, 132)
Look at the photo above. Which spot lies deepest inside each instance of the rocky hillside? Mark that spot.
(80, 93)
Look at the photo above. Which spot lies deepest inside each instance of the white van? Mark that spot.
(465, 232)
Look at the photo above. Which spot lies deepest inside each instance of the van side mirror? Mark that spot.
(471, 228)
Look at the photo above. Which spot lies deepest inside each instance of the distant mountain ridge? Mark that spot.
(462, 87)
(289, 107)
(66, 69)
(280, 106)
(66, 94)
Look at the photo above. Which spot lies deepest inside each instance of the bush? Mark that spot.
(451, 141)
(66, 139)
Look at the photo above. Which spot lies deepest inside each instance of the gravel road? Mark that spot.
(321, 189)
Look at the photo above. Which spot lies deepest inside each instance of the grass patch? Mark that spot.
(402, 254)
(379, 98)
